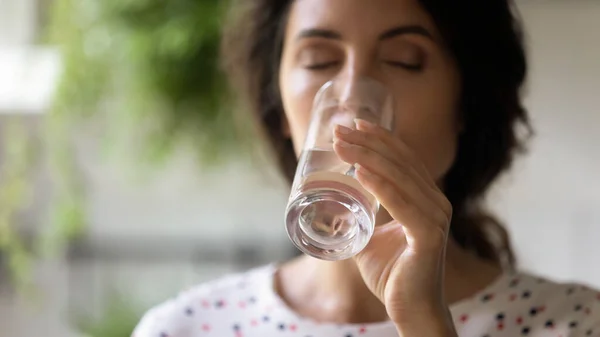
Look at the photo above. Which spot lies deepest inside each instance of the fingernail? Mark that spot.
(343, 130)
(363, 124)
(361, 169)
(342, 143)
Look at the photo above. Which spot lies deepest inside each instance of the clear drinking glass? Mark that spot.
(329, 215)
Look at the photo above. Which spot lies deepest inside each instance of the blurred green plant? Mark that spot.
(118, 319)
(144, 72)
(15, 193)
(151, 68)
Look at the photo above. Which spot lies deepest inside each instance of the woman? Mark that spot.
(437, 265)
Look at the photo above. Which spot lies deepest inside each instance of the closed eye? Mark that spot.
(407, 66)
(321, 66)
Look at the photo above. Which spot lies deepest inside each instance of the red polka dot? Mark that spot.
(242, 304)
(362, 329)
(519, 320)
(500, 326)
(293, 327)
(239, 334)
(253, 322)
(205, 327)
(587, 311)
(512, 297)
(542, 308)
(205, 303)
(464, 318)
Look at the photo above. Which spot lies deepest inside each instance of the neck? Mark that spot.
(335, 292)
(328, 291)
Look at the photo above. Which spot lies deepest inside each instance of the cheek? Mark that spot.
(433, 138)
(297, 92)
(430, 127)
(438, 151)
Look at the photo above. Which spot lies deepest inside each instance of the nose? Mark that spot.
(360, 72)
(362, 92)
(349, 89)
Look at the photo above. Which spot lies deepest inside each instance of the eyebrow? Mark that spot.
(396, 31)
(323, 33)
(402, 30)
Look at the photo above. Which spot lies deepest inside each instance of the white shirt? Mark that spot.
(246, 305)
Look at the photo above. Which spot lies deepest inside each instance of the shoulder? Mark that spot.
(525, 304)
(202, 307)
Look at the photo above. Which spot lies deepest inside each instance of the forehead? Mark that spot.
(357, 16)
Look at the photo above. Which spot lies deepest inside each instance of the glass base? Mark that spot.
(329, 224)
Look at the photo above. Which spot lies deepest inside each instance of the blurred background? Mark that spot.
(123, 181)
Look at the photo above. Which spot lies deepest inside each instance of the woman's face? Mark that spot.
(393, 41)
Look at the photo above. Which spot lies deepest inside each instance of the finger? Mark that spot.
(368, 140)
(422, 235)
(388, 138)
(404, 185)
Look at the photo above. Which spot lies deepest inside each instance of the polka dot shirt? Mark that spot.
(245, 305)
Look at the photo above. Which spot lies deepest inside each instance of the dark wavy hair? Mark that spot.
(486, 41)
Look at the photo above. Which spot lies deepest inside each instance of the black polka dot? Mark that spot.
(549, 323)
(487, 297)
(525, 330)
(589, 332)
(349, 335)
(533, 311)
(252, 300)
(578, 307)
(500, 316)
(570, 291)
(281, 326)
(265, 318)
(189, 311)
(573, 324)
(163, 334)
(236, 327)
(526, 294)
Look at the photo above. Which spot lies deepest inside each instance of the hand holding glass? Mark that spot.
(329, 215)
